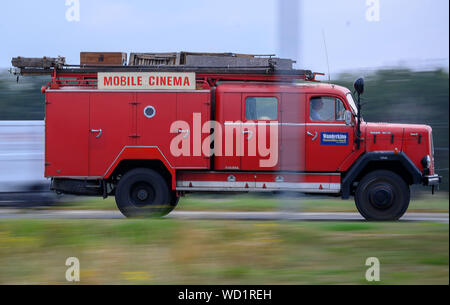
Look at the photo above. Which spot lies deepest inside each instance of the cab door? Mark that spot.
(329, 141)
(260, 132)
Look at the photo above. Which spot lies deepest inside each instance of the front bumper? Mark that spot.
(432, 180)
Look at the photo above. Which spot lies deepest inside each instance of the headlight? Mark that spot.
(426, 161)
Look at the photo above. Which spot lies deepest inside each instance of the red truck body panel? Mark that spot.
(89, 132)
(417, 143)
(75, 147)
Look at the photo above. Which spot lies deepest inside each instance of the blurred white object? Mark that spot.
(22, 163)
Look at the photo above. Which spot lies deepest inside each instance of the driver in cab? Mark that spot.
(315, 108)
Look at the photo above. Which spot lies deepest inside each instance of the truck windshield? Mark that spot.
(351, 101)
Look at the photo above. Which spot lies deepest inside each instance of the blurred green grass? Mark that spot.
(170, 251)
(260, 202)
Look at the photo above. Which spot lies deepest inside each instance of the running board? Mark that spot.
(251, 186)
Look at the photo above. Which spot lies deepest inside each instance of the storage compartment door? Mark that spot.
(193, 109)
(66, 134)
(112, 126)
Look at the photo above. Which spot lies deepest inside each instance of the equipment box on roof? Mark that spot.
(103, 58)
(208, 60)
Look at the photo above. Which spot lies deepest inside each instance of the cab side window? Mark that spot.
(340, 109)
(326, 108)
(261, 108)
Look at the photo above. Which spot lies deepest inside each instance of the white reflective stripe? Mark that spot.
(300, 185)
(251, 123)
(224, 184)
(250, 189)
(281, 173)
(259, 186)
(253, 189)
(282, 124)
(327, 124)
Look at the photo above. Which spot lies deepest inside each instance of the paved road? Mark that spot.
(319, 216)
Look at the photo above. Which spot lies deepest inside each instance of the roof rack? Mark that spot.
(86, 75)
(204, 59)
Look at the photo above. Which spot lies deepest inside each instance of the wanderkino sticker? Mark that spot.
(146, 81)
(333, 138)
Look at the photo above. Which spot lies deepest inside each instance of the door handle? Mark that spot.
(250, 134)
(99, 131)
(186, 131)
(312, 135)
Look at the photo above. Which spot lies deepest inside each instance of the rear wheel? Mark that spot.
(382, 195)
(144, 193)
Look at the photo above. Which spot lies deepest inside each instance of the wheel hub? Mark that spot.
(381, 196)
(142, 195)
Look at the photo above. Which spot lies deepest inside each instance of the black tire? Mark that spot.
(382, 195)
(143, 192)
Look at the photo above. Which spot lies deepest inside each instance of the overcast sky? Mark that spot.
(413, 32)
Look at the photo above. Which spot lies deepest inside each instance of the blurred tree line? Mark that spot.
(22, 100)
(391, 95)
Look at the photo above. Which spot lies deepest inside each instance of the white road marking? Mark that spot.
(218, 215)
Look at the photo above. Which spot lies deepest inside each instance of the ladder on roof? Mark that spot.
(86, 75)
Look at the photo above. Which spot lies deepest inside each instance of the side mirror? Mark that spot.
(359, 86)
(347, 117)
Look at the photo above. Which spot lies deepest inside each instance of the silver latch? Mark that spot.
(99, 131)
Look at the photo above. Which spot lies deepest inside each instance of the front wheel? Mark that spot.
(382, 195)
(143, 192)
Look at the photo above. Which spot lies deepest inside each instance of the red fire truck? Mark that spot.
(148, 135)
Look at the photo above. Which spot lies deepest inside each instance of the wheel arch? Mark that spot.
(129, 164)
(142, 157)
(398, 163)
